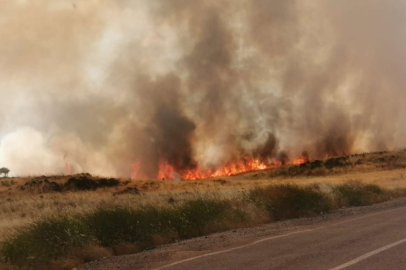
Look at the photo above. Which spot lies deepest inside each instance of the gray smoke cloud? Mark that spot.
(100, 85)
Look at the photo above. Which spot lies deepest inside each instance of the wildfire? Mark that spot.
(167, 172)
(300, 160)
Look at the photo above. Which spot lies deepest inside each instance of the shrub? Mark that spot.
(337, 162)
(193, 218)
(44, 240)
(357, 194)
(122, 225)
(309, 168)
(4, 171)
(312, 165)
(314, 168)
(48, 239)
(83, 182)
(290, 201)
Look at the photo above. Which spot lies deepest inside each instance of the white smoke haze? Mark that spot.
(27, 148)
(102, 84)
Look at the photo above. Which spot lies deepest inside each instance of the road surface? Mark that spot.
(372, 240)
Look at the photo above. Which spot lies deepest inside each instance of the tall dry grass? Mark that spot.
(331, 187)
(109, 228)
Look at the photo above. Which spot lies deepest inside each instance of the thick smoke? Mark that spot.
(97, 86)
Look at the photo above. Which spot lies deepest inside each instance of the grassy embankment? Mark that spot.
(57, 222)
(73, 239)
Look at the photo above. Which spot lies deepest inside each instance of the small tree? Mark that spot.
(4, 171)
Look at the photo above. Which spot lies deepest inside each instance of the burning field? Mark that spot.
(259, 100)
(167, 171)
(99, 217)
(126, 125)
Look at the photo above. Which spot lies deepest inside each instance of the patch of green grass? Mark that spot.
(290, 201)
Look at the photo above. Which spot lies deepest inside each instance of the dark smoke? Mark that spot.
(197, 83)
(170, 131)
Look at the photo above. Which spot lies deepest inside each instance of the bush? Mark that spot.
(337, 162)
(48, 239)
(122, 225)
(357, 194)
(290, 201)
(83, 182)
(194, 217)
(314, 168)
(44, 240)
(308, 169)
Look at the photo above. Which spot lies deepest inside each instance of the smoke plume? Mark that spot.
(98, 86)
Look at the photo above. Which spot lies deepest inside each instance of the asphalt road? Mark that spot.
(372, 241)
(376, 241)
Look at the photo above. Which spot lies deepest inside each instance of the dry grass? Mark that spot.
(386, 169)
(117, 230)
(21, 206)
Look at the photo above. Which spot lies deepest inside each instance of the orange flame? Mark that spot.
(167, 171)
(300, 160)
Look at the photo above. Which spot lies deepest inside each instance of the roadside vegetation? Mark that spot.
(62, 221)
(64, 241)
